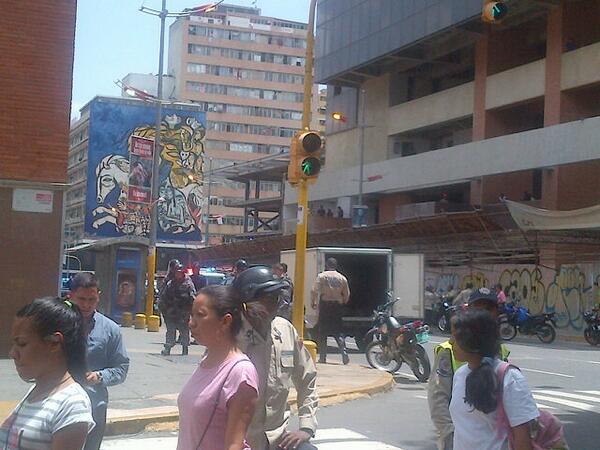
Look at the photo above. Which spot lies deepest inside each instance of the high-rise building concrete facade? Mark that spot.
(459, 110)
(246, 71)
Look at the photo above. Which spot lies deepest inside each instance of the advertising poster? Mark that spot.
(121, 142)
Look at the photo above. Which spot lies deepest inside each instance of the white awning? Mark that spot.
(531, 218)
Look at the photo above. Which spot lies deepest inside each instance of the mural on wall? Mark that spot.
(119, 176)
(568, 292)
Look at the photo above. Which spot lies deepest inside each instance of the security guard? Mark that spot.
(444, 367)
(281, 360)
(329, 294)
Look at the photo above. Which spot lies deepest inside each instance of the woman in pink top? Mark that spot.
(217, 402)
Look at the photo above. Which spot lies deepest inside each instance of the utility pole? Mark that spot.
(206, 230)
(162, 14)
(362, 127)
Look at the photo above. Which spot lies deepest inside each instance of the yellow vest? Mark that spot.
(456, 364)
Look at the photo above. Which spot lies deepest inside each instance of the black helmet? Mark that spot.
(175, 265)
(483, 294)
(256, 281)
(241, 265)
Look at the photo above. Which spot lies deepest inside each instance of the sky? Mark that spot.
(113, 38)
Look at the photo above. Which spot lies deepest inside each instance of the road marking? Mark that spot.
(590, 392)
(421, 396)
(344, 439)
(592, 362)
(542, 406)
(569, 403)
(585, 398)
(327, 439)
(548, 373)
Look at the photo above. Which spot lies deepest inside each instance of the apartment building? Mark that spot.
(458, 110)
(246, 72)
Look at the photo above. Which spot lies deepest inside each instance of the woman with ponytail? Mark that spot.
(476, 391)
(49, 349)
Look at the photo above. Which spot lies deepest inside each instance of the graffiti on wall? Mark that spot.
(112, 167)
(569, 292)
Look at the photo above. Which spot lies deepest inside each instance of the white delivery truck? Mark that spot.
(371, 273)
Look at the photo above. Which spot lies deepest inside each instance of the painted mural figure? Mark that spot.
(182, 159)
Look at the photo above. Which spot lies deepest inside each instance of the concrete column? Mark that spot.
(481, 73)
(554, 49)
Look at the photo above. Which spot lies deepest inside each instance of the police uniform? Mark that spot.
(331, 293)
(175, 305)
(281, 361)
(439, 391)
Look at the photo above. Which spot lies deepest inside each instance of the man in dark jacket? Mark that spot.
(175, 304)
(286, 295)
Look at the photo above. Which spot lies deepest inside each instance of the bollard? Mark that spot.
(312, 349)
(126, 319)
(140, 321)
(154, 323)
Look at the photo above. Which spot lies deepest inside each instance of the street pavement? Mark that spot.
(150, 392)
(563, 377)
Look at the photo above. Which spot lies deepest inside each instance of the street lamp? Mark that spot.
(339, 116)
(162, 14)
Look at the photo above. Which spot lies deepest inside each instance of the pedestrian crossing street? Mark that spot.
(326, 439)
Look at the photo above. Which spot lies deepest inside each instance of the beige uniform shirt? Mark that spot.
(281, 361)
(330, 286)
(439, 392)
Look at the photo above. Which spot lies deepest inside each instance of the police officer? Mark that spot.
(444, 367)
(239, 266)
(280, 358)
(329, 294)
(175, 304)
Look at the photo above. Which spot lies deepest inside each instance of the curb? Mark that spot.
(137, 423)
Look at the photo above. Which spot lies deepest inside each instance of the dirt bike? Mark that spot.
(394, 344)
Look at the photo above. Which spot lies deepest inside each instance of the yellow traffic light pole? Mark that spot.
(302, 224)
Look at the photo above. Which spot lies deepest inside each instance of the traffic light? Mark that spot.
(305, 156)
(493, 11)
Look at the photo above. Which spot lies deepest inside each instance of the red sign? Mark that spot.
(138, 195)
(142, 147)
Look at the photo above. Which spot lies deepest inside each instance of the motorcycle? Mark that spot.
(394, 344)
(592, 331)
(517, 318)
(444, 313)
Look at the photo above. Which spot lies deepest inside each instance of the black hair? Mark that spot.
(50, 315)
(280, 266)
(476, 331)
(469, 285)
(223, 300)
(83, 280)
(331, 263)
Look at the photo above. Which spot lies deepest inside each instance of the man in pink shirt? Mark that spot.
(501, 295)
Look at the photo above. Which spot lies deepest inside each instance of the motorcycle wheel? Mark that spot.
(422, 368)
(380, 358)
(507, 330)
(442, 323)
(591, 336)
(546, 333)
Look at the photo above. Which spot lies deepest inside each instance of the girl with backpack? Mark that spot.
(491, 404)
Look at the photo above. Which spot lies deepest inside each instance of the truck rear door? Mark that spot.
(408, 285)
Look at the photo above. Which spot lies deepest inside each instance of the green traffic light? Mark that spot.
(499, 10)
(311, 167)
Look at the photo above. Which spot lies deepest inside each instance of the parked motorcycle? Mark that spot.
(394, 344)
(592, 331)
(517, 318)
(445, 311)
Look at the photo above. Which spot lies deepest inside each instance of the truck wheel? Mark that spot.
(360, 343)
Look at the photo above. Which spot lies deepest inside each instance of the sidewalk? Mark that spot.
(150, 393)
